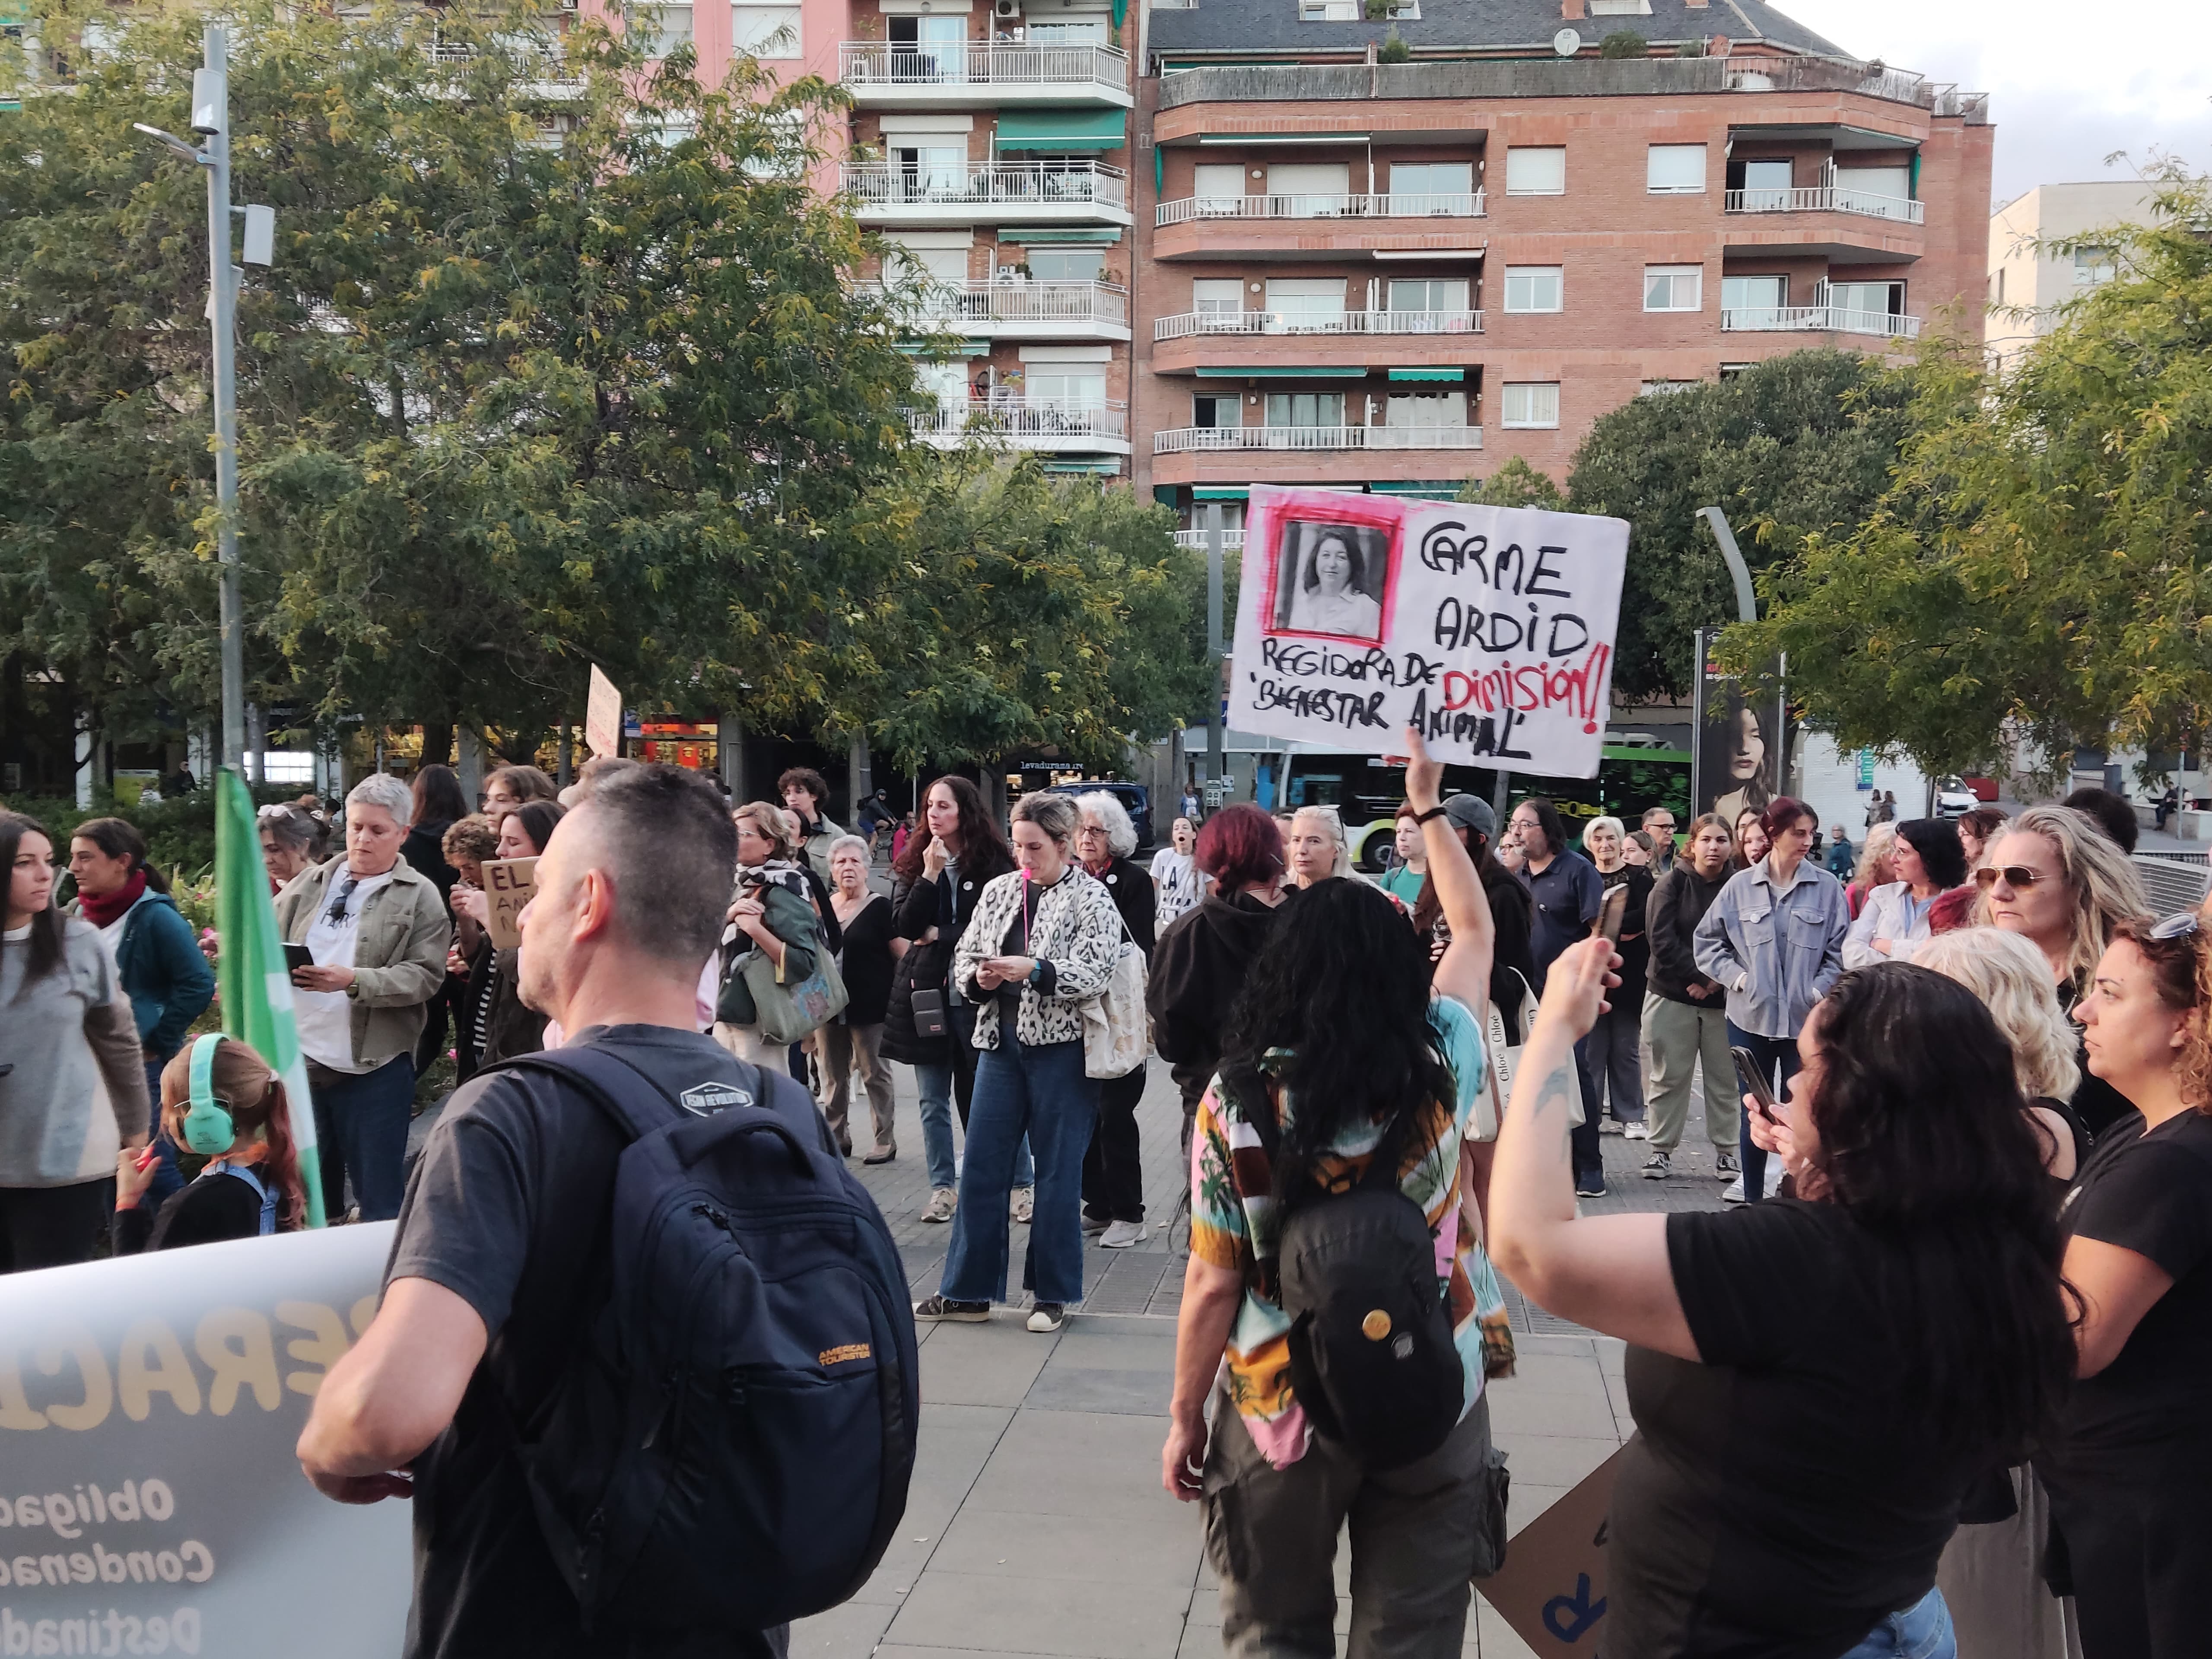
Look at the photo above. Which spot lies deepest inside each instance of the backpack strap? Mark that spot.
(262, 1190)
(605, 1077)
(1242, 1082)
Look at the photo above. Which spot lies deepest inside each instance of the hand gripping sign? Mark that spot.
(1491, 630)
(149, 1500)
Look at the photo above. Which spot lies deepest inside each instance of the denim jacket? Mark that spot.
(1777, 951)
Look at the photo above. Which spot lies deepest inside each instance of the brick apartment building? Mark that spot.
(1203, 246)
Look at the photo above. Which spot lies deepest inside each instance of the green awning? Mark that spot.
(1222, 492)
(1418, 490)
(1249, 373)
(1063, 129)
(1109, 468)
(1428, 374)
(1086, 234)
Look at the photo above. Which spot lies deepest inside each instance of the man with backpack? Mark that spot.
(643, 1350)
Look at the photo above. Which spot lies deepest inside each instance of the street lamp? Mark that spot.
(211, 119)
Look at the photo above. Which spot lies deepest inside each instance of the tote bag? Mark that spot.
(1116, 1031)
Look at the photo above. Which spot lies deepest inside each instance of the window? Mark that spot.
(1305, 302)
(1217, 296)
(1729, 371)
(1426, 409)
(1217, 185)
(1430, 293)
(765, 30)
(1329, 11)
(1674, 170)
(2092, 265)
(932, 172)
(1753, 301)
(945, 383)
(666, 28)
(1091, 31)
(1213, 410)
(1620, 7)
(1866, 299)
(1530, 404)
(1536, 172)
(1766, 186)
(1664, 388)
(1432, 187)
(1883, 193)
(917, 265)
(1311, 190)
(1069, 386)
(1534, 287)
(1305, 409)
(1674, 287)
(1065, 264)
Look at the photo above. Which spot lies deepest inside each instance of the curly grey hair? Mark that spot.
(1113, 818)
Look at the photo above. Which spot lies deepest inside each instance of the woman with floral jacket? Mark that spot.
(1043, 942)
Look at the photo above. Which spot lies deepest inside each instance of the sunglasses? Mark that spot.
(2182, 924)
(2014, 875)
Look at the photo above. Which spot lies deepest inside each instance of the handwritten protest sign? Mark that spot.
(148, 1406)
(602, 716)
(1489, 628)
(509, 884)
(1551, 1587)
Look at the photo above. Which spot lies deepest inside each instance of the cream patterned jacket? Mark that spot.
(1074, 930)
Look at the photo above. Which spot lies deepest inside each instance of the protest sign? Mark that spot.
(1551, 1587)
(152, 1504)
(1489, 628)
(509, 884)
(602, 716)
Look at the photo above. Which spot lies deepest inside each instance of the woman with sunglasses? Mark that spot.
(2129, 1473)
(2054, 877)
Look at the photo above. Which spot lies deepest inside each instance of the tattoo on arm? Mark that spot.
(1559, 1090)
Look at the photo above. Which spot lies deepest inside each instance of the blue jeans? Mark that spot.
(1042, 1092)
(1923, 1631)
(935, 1082)
(361, 1126)
(1776, 1056)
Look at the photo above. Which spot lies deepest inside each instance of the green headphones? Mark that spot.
(207, 1125)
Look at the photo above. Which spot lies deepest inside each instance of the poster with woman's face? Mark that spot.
(1331, 579)
(1738, 754)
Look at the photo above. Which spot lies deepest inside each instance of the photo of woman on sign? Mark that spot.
(1738, 759)
(1328, 579)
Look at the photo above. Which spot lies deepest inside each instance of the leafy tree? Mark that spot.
(1516, 484)
(2041, 568)
(1797, 445)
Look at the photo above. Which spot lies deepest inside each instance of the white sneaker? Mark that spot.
(1639, 1130)
(1733, 1193)
(943, 1201)
(1121, 1235)
(1022, 1203)
(1774, 1174)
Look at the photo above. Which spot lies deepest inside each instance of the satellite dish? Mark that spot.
(1566, 43)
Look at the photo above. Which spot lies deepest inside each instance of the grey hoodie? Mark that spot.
(69, 1031)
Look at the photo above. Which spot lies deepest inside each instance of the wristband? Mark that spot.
(1436, 812)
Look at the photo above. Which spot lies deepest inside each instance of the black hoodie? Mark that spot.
(1196, 972)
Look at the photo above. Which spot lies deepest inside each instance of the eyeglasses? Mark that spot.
(2013, 875)
(2180, 925)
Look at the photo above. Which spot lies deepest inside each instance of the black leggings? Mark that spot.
(52, 1226)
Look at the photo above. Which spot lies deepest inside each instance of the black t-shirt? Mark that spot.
(1780, 1499)
(508, 1208)
(2150, 1192)
(866, 963)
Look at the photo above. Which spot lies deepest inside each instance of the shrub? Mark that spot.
(1623, 43)
(1395, 49)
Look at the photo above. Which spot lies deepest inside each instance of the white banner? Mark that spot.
(149, 1501)
(1490, 629)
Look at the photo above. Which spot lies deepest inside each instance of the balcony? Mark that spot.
(1020, 423)
(1827, 198)
(981, 74)
(985, 193)
(1190, 322)
(1302, 225)
(1331, 340)
(1013, 311)
(1818, 319)
(1188, 439)
(1232, 541)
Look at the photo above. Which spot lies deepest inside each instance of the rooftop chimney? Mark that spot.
(1571, 10)
(1696, 5)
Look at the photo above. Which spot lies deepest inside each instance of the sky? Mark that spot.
(2070, 80)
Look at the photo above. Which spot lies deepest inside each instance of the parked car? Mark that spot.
(1135, 798)
(1985, 790)
(1953, 799)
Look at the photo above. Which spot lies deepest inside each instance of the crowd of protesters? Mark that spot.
(1932, 1389)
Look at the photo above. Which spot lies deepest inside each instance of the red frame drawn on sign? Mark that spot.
(1329, 507)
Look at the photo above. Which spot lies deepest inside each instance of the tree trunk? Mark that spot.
(437, 743)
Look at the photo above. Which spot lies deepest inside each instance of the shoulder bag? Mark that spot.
(1116, 1031)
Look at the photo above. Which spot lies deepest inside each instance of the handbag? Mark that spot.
(1116, 1031)
(1490, 1102)
(788, 1012)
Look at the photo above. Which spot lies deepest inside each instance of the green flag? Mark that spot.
(257, 989)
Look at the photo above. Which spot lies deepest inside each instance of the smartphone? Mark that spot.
(296, 956)
(1752, 1076)
(1612, 911)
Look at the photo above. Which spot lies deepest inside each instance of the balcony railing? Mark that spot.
(1021, 420)
(1817, 319)
(1232, 541)
(962, 304)
(981, 63)
(988, 184)
(1316, 322)
(1465, 204)
(1825, 199)
(1181, 440)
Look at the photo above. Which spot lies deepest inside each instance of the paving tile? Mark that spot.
(1495, 1638)
(1058, 1617)
(1130, 1393)
(1528, 1500)
(850, 1632)
(1517, 1409)
(1552, 1373)
(988, 1364)
(1077, 1463)
(1102, 1342)
(1157, 1561)
(1551, 1460)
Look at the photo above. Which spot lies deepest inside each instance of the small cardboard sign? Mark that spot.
(1551, 1587)
(509, 884)
(603, 715)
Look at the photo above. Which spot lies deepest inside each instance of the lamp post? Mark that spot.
(211, 120)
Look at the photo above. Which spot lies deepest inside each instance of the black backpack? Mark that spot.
(1371, 1355)
(730, 1445)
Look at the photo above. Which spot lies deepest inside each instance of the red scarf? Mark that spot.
(101, 908)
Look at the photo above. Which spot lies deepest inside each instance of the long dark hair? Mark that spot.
(1937, 841)
(1429, 909)
(438, 796)
(1926, 1143)
(984, 854)
(538, 818)
(1717, 745)
(1345, 988)
(47, 924)
(120, 839)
